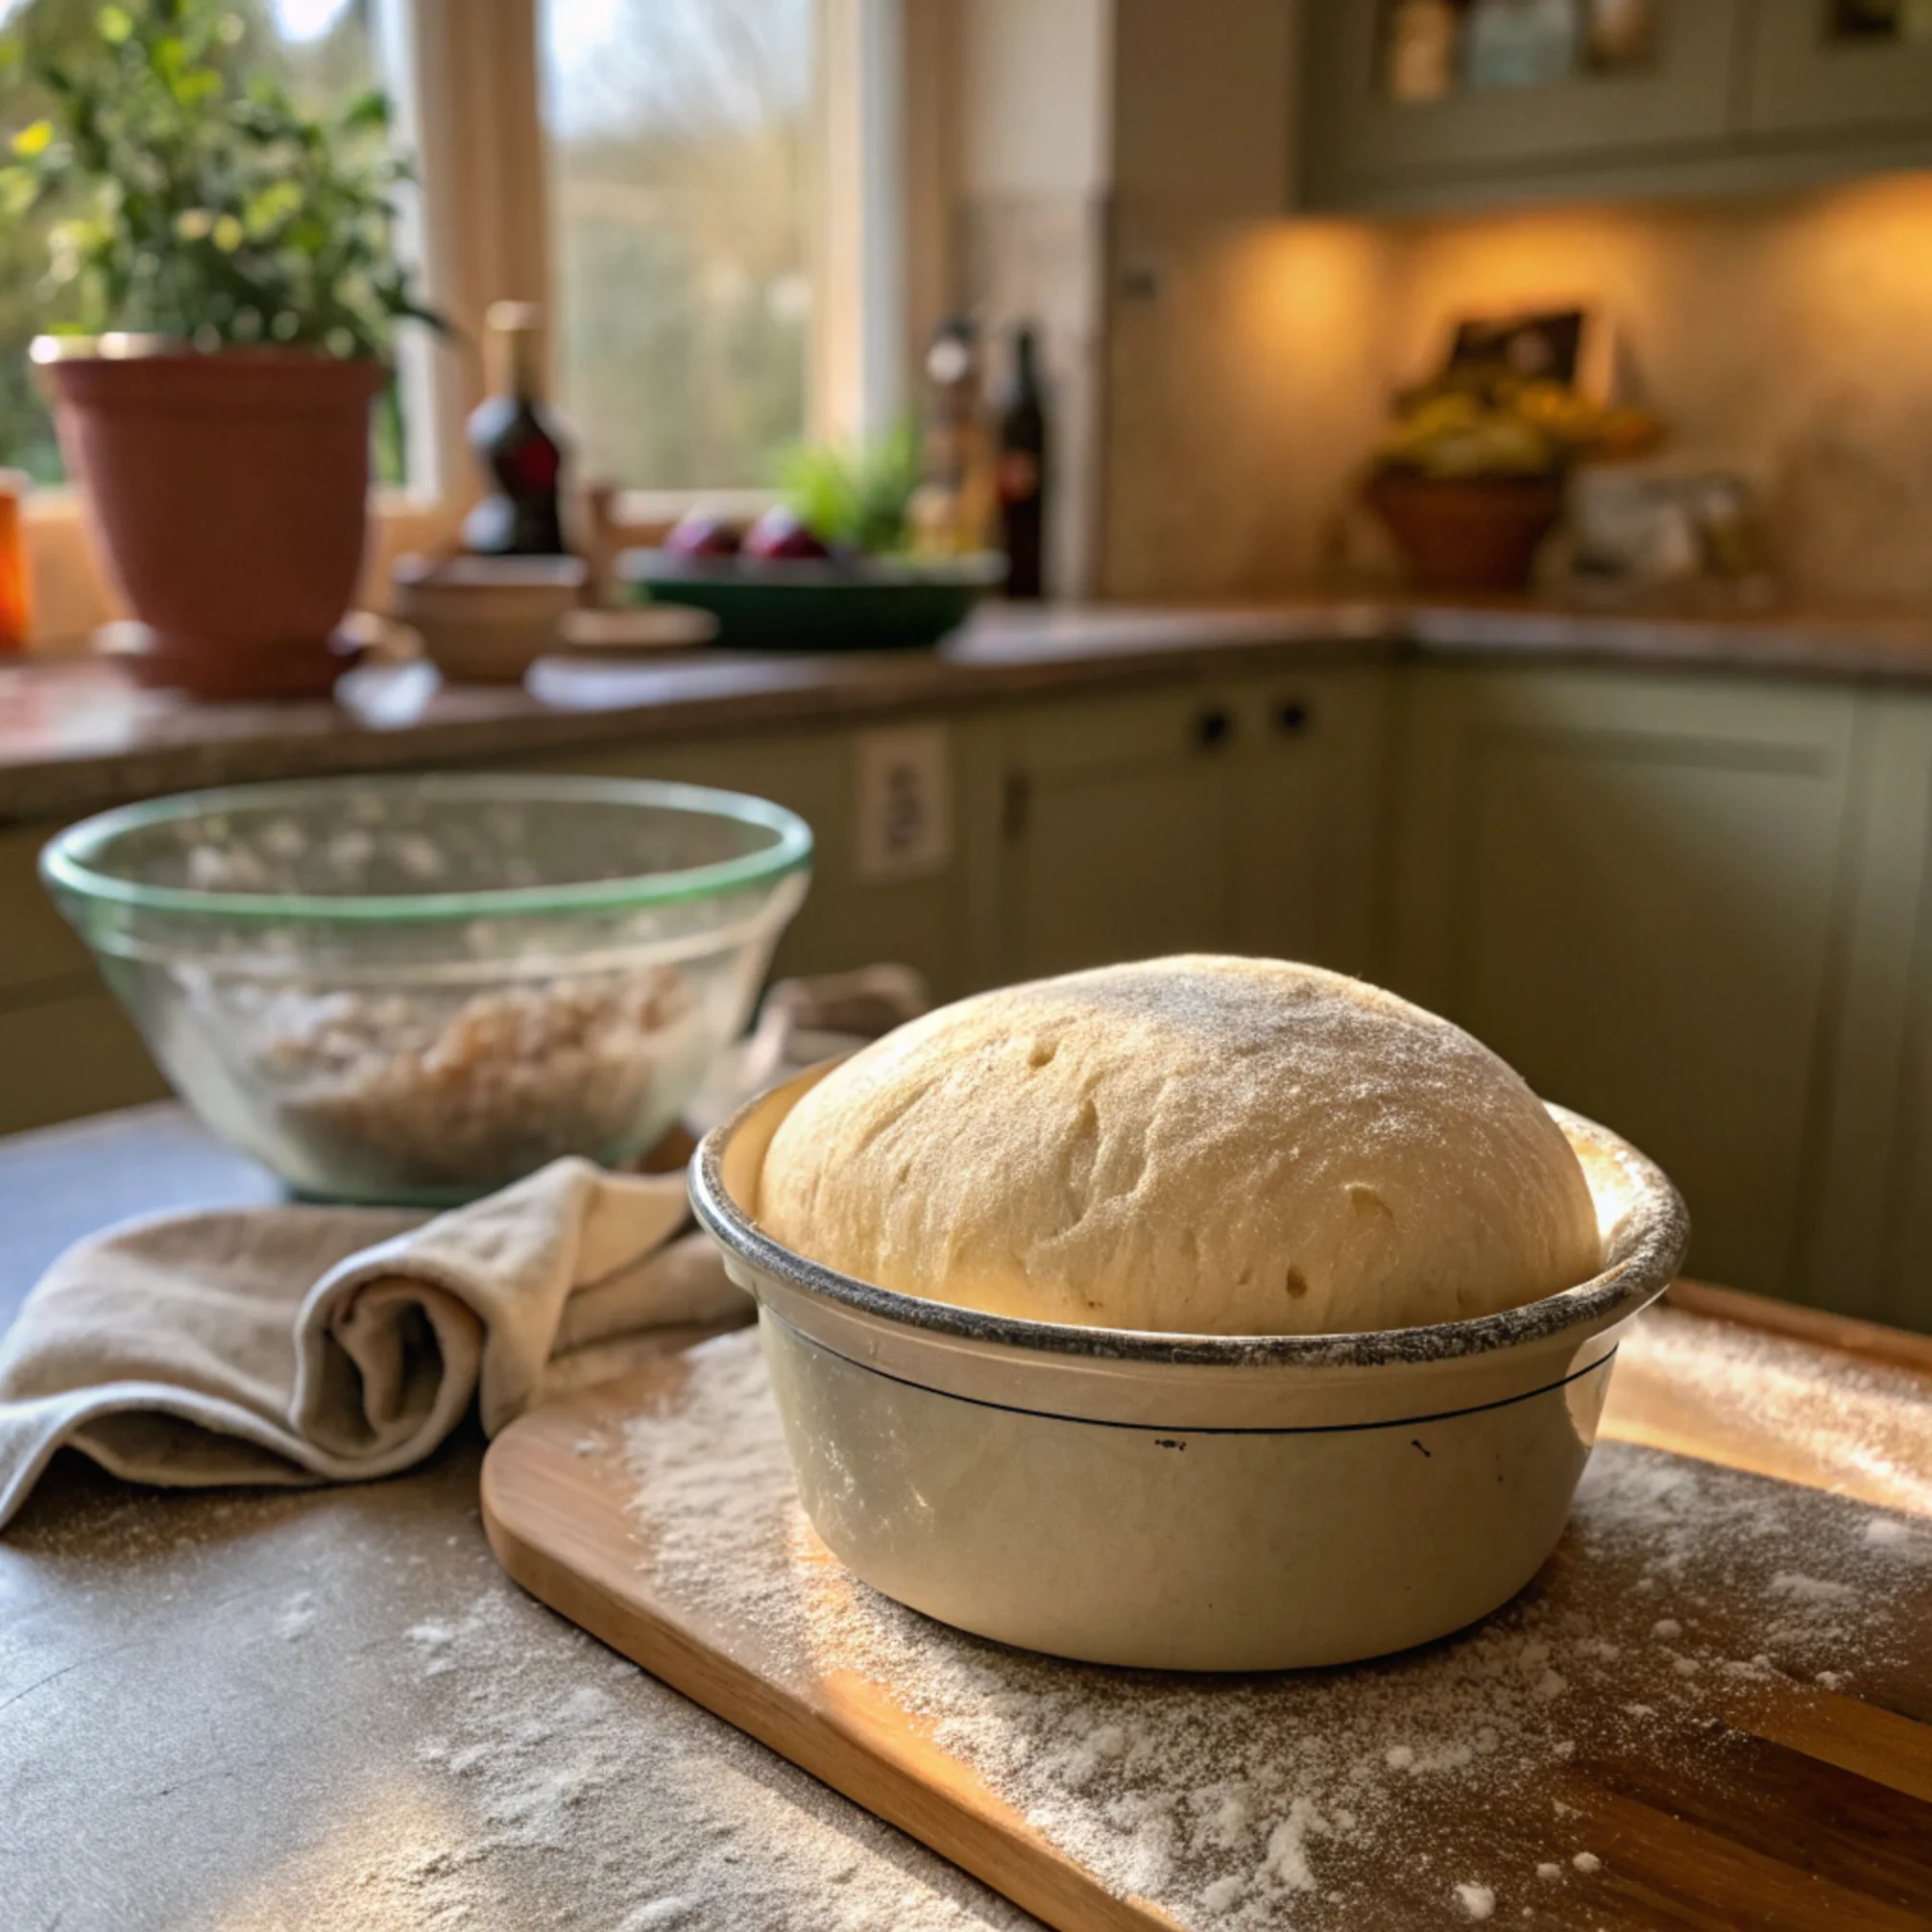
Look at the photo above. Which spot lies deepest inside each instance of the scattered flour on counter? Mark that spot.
(1889, 1532)
(1871, 1422)
(297, 1617)
(1260, 1802)
(1811, 1590)
(554, 1777)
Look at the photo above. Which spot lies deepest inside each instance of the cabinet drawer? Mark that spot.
(1119, 734)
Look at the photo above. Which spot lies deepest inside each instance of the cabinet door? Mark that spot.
(1360, 137)
(1870, 1246)
(70, 1051)
(65, 1046)
(1116, 834)
(1626, 884)
(1310, 768)
(847, 920)
(1808, 75)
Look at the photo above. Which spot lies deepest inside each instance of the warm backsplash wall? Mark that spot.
(1788, 339)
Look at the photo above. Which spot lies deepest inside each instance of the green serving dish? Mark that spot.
(877, 604)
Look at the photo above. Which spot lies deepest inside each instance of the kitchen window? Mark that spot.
(679, 144)
(692, 187)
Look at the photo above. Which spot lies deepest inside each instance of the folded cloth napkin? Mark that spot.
(300, 1344)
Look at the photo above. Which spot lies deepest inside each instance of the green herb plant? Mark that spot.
(204, 208)
(855, 494)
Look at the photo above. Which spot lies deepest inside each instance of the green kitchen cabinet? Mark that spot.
(1733, 96)
(1806, 79)
(1361, 143)
(1113, 834)
(1868, 1248)
(65, 1047)
(849, 919)
(1310, 779)
(1628, 886)
(69, 1050)
(1238, 816)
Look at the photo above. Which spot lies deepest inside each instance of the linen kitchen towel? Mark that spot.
(301, 1344)
(306, 1344)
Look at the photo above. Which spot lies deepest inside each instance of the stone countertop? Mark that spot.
(281, 1710)
(75, 736)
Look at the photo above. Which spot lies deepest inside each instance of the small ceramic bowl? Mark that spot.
(1187, 1502)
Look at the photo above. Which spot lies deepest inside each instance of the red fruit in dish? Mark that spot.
(697, 533)
(779, 536)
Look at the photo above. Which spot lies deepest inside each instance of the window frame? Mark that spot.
(469, 105)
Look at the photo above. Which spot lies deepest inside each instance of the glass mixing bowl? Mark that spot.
(419, 989)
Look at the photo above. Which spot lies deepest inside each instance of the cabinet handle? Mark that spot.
(1292, 717)
(1214, 728)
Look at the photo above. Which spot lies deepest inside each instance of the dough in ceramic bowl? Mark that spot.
(1198, 1144)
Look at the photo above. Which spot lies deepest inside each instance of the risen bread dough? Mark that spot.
(1200, 1145)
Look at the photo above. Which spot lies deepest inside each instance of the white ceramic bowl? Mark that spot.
(1187, 1502)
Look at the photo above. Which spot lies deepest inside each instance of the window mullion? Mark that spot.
(478, 135)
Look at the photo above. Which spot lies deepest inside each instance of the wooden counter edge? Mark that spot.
(1868, 1341)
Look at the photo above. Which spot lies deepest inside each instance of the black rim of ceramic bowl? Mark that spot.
(66, 863)
(1654, 1249)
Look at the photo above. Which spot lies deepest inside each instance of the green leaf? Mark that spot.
(370, 110)
(18, 190)
(267, 210)
(116, 25)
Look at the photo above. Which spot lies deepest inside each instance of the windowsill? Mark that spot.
(58, 504)
(72, 596)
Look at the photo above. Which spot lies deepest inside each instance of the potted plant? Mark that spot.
(230, 269)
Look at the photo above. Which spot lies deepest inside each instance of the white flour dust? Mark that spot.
(1430, 1781)
(636, 1810)
(1871, 1423)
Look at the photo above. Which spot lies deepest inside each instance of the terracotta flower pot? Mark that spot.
(229, 493)
(1467, 533)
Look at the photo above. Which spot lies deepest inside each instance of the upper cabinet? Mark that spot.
(1861, 67)
(1432, 104)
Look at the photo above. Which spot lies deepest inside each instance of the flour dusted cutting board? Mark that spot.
(1713, 1708)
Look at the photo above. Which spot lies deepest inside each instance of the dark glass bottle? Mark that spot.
(517, 445)
(1021, 471)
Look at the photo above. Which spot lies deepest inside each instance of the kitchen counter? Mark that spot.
(279, 1711)
(272, 1711)
(76, 735)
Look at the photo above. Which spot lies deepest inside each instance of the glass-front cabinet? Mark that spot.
(1820, 66)
(1429, 103)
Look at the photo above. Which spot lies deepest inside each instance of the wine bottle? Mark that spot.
(1021, 471)
(517, 445)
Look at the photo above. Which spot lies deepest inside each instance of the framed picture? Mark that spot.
(1566, 345)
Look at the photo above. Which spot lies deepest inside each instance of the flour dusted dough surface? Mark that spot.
(1198, 1144)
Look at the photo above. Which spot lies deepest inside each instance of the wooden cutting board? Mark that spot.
(1739, 1732)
